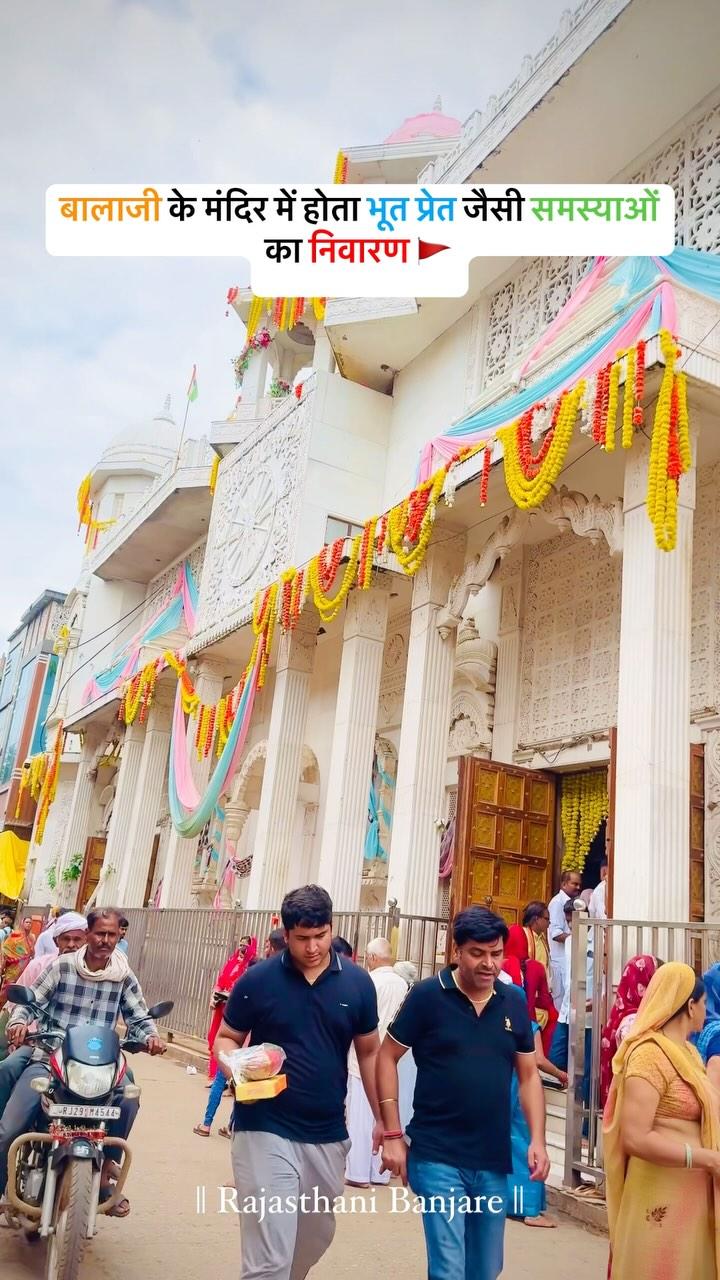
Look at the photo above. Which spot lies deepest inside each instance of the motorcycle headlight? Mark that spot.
(86, 1081)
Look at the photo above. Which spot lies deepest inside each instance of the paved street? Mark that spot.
(167, 1238)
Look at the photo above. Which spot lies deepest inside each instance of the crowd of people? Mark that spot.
(435, 1083)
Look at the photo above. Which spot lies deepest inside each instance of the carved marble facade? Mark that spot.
(527, 303)
(571, 636)
(473, 698)
(392, 681)
(161, 588)
(254, 519)
(705, 657)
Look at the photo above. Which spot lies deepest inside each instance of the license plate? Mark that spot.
(68, 1111)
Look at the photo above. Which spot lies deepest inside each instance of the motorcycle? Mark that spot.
(53, 1184)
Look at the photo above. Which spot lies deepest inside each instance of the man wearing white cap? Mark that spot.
(69, 933)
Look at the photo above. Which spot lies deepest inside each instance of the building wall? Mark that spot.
(346, 461)
(571, 638)
(705, 637)
(430, 393)
(44, 856)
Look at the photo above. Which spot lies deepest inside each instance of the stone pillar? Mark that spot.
(415, 849)
(180, 857)
(117, 850)
(507, 687)
(356, 711)
(286, 736)
(152, 781)
(78, 827)
(652, 806)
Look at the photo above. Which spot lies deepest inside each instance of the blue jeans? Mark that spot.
(461, 1246)
(559, 1052)
(219, 1085)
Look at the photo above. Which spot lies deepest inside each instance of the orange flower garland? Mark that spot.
(367, 554)
(529, 480)
(670, 452)
(329, 607)
(410, 523)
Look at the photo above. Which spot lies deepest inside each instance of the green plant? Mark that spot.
(52, 876)
(73, 870)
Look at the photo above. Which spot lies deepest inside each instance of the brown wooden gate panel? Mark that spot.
(505, 837)
(92, 867)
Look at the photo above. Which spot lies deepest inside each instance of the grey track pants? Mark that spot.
(285, 1243)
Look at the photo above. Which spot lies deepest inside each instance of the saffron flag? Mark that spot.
(193, 388)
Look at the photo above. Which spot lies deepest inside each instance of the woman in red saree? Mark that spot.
(633, 983)
(530, 975)
(226, 979)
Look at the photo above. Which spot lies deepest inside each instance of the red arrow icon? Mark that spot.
(427, 250)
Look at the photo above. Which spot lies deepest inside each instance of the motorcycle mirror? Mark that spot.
(162, 1010)
(19, 995)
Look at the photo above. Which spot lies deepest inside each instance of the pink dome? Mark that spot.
(431, 125)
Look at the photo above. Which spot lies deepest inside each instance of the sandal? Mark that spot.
(202, 1131)
(225, 1132)
(121, 1209)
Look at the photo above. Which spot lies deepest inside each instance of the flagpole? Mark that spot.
(187, 410)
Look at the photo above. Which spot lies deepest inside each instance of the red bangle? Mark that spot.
(398, 1133)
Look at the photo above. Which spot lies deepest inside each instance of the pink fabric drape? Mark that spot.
(443, 448)
(565, 315)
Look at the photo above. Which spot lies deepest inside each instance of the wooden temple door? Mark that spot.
(92, 868)
(505, 839)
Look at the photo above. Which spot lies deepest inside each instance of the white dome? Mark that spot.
(145, 445)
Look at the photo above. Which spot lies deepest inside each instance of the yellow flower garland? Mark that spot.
(629, 398)
(411, 557)
(329, 607)
(584, 806)
(662, 490)
(531, 493)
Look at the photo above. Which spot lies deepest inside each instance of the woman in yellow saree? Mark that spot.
(662, 1141)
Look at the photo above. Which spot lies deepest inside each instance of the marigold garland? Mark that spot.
(612, 406)
(527, 482)
(329, 607)
(48, 789)
(138, 693)
(32, 777)
(367, 554)
(410, 523)
(628, 419)
(212, 482)
(670, 453)
(584, 805)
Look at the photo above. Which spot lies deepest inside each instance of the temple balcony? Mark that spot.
(172, 515)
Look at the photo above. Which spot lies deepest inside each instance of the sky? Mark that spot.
(181, 91)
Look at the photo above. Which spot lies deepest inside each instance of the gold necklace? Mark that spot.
(481, 1003)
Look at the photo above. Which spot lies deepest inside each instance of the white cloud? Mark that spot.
(182, 92)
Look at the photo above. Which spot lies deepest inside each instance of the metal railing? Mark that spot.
(600, 951)
(177, 954)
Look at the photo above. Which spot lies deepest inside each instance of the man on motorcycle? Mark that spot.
(69, 934)
(95, 985)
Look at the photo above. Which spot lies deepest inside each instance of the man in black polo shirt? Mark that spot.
(467, 1032)
(314, 1003)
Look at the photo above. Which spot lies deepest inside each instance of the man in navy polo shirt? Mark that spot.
(314, 1004)
(468, 1032)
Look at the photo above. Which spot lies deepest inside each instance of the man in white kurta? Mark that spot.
(362, 1167)
(570, 884)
